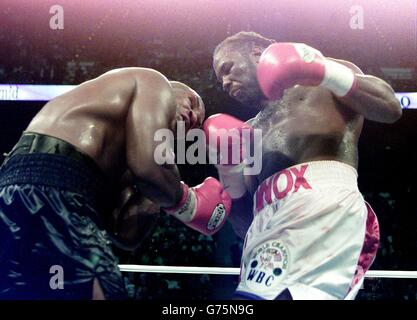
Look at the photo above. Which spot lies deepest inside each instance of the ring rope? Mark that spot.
(394, 274)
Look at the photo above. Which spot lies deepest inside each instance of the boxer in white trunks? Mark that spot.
(308, 232)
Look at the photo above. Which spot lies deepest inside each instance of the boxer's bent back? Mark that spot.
(56, 182)
(92, 117)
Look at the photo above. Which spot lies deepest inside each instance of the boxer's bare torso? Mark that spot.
(307, 124)
(93, 116)
(113, 119)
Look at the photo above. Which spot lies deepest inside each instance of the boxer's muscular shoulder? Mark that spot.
(146, 77)
(149, 85)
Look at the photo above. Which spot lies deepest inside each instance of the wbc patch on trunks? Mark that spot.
(267, 266)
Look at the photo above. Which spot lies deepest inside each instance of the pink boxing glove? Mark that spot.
(228, 139)
(203, 208)
(284, 65)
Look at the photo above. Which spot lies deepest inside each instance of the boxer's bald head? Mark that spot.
(190, 106)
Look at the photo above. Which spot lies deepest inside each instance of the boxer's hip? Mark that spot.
(43, 160)
(310, 221)
(49, 216)
(301, 179)
(294, 194)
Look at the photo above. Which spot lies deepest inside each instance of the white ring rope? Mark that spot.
(236, 271)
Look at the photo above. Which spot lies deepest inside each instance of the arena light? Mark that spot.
(29, 92)
(408, 100)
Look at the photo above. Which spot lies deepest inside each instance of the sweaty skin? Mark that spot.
(113, 119)
(307, 124)
(102, 116)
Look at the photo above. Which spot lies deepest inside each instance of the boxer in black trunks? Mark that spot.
(56, 185)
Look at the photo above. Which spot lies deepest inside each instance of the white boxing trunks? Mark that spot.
(312, 234)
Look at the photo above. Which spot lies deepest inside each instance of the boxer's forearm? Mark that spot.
(134, 221)
(371, 97)
(161, 185)
(374, 99)
(241, 215)
(133, 229)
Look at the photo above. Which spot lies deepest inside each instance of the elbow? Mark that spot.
(127, 246)
(157, 186)
(123, 243)
(392, 106)
(395, 111)
(387, 108)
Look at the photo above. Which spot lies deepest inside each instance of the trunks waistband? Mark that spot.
(302, 177)
(32, 142)
(44, 160)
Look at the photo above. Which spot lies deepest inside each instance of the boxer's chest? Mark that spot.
(286, 128)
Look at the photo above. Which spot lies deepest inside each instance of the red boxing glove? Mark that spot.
(203, 208)
(228, 139)
(284, 65)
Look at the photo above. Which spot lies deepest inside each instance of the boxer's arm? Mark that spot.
(134, 217)
(372, 97)
(241, 215)
(133, 221)
(283, 65)
(153, 108)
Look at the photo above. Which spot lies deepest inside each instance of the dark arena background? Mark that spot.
(177, 38)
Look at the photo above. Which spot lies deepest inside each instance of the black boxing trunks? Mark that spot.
(53, 244)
